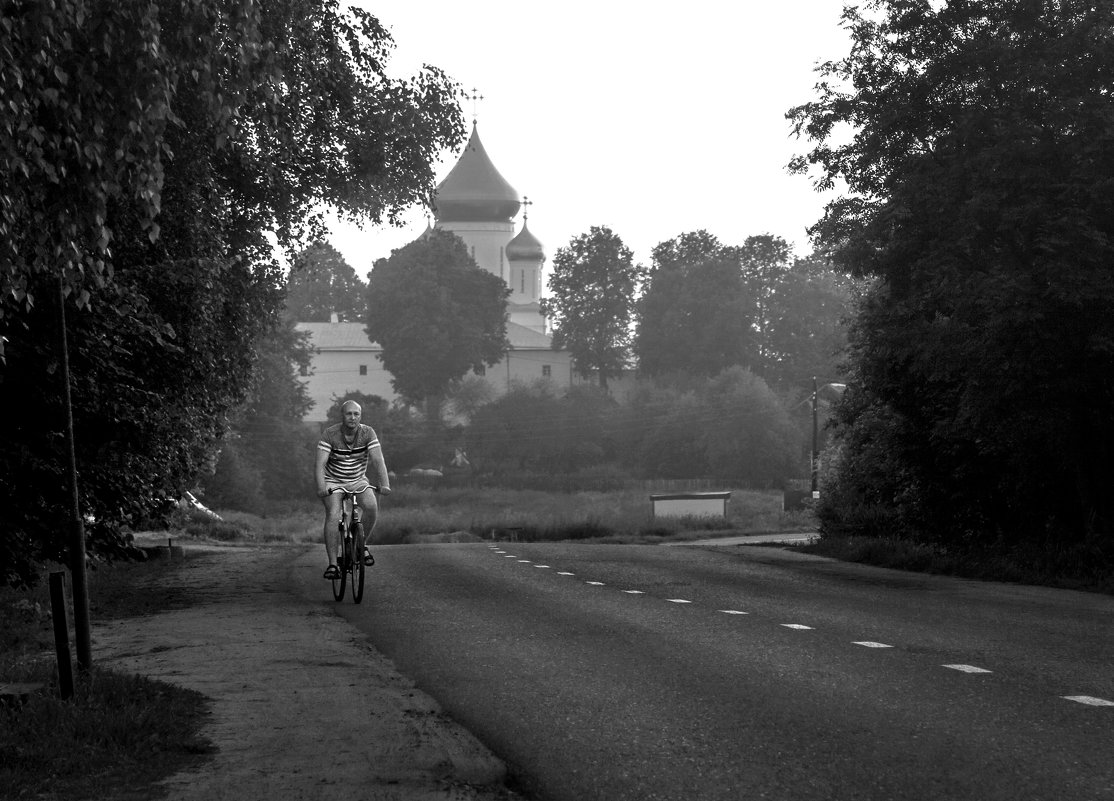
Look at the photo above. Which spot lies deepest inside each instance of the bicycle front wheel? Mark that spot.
(342, 563)
(358, 568)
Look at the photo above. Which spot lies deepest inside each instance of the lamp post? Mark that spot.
(815, 467)
(816, 434)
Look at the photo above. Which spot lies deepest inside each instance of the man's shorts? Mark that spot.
(355, 487)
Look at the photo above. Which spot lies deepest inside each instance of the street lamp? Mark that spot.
(816, 434)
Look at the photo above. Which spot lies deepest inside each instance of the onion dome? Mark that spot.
(524, 247)
(474, 191)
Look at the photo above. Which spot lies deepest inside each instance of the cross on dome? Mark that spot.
(474, 97)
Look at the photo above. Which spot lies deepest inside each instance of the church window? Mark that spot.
(363, 369)
(547, 371)
(303, 370)
(522, 281)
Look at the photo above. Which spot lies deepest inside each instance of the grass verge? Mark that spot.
(120, 733)
(114, 739)
(1087, 567)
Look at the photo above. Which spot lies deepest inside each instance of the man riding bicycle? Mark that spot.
(343, 455)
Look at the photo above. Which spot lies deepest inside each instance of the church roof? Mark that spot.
(353, 337)
(525, 246)
(474, 191)
(337, 336)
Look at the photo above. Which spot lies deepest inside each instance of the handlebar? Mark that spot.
(349, 493)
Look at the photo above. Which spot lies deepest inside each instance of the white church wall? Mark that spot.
(523, 282)
(335, 373)
(486, 243)
(528, 366)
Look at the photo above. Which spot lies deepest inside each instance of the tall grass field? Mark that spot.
(413, 514)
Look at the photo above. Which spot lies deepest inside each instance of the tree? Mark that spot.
(322, 283)
(94, 96)
(149, 153)
(805, 331)
(696, 314)
(978, 199)
(594, 281)
(763, 260)
(436, 315)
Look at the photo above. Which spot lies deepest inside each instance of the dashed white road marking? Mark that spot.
(1089, 700)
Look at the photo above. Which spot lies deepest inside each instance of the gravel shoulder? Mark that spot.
(303, 707)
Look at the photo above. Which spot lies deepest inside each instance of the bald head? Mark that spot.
(351, 412)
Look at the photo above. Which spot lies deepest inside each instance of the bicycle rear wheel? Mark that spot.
(358, 568)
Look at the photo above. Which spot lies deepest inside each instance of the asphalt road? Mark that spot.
(643, 672)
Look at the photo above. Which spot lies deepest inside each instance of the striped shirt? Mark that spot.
(347, 462)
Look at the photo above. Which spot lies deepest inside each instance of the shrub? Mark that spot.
(236, 483)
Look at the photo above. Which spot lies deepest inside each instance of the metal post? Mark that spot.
(82, 635)
(815, 444)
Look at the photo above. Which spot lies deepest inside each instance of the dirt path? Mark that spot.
(280, 672)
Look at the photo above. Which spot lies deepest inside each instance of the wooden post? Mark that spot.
(61, 633)
(82, 635)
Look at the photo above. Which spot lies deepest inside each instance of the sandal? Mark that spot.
(369, 560)
(332, 572)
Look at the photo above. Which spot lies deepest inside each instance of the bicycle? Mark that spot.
(350, 553)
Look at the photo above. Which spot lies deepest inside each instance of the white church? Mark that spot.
(477, 204)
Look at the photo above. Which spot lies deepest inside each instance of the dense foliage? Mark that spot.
(267, 454)
(978, 199)
(436, 315)
(534, 427)
(730, 427)
(149, 149)
(593, 284)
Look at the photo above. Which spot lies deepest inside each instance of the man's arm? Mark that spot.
(319, 469)
(380, 465)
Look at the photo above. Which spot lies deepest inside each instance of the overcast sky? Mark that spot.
(614, 113)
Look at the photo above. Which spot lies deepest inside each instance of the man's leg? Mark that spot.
(332, 521)
(370, 506)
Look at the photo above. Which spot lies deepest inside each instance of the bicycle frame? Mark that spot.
(350, 548)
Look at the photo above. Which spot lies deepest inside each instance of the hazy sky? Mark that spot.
(651, 122)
